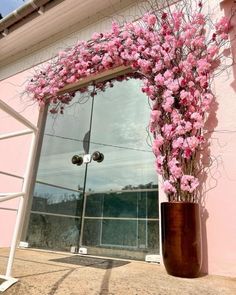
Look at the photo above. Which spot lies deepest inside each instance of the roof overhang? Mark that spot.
(67, 16)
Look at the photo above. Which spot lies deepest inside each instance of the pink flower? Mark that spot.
(207, 99)
(128, 42)
(191, 84)
(159, 163)
(175, 170)
(223, 25)
(157, 143)
(172, 85)
(168, 187)
(199, 19)
(155, 117)
(203, 66)
(151, 20)
(198, 120)
(191, 142)
(191, 58)
(115, 28)
(168, 74)
(145, 65)
(158, 66)
(107, 61)
(186, 97)
(212, 51)
(159, 79)
(167, 129)
(183, 127)
(167, 105)
(96, 59)
(189, 183)
(72, 79)
(176, 117)
(159, 140)
(198, 42)
(177, 19)
(178, 143)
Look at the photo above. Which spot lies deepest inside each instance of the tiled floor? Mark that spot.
(43, 273)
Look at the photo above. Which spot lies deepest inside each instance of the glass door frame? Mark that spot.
(103, 76)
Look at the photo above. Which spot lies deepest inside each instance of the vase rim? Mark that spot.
(179, 202)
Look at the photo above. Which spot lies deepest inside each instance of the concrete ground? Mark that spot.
(44, 273)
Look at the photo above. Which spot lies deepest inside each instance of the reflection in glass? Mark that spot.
(51, 199)
(119, 233)
(129, 204)
(63, 138)
(125, 219)
(59, 185)
(92, 232)
(53, 232)
(119, 131)
(142, 235)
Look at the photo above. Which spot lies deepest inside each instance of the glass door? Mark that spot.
(114, 207)
(121, 211)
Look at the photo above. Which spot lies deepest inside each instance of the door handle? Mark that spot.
(77, 160)
(97, 156)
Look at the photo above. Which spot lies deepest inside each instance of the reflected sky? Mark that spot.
(8, 6)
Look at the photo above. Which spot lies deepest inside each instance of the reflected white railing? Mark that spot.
(23, 195)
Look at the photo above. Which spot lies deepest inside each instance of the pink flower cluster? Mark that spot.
(175, 58)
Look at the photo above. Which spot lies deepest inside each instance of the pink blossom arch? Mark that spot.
(174, 57)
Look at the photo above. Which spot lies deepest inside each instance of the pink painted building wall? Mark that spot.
(13, 151)
(219, 198)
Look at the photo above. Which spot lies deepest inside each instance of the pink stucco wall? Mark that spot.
(220, 197)
(218, 194)
(14, 151)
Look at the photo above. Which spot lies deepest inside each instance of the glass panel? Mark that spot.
(120, 205)
(112, 205)
(53, 232)
(119, 233)
(59, 184)
(148, 204)
(56, 200)
(94, 205)
(142, 234)
(119, 131)
(143, 204)
(149, 235)
(153, 235)
(92, 232)
(138, 234)
(116, 233)
(64, 137)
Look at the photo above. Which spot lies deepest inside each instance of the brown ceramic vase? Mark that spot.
(181, 238)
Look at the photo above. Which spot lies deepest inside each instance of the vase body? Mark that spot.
(181, 238)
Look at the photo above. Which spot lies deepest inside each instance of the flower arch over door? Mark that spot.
(174, 53)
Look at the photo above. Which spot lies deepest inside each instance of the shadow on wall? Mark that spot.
(205, 172)
(229, 9)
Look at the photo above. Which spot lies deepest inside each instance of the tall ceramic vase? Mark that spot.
(181, 238)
